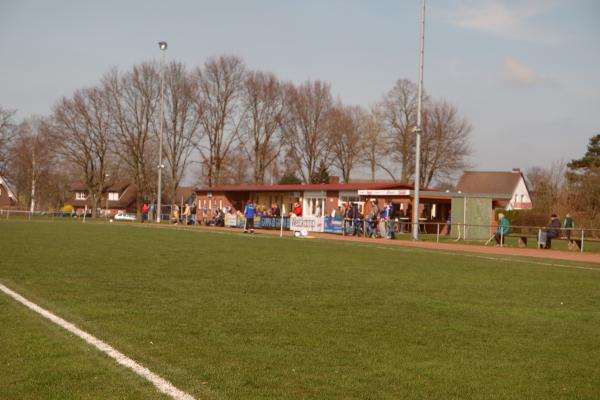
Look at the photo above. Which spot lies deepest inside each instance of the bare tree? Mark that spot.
(182, 119)
(81, 126)
(345, 128)
(7, 131)
(260, 133)
(444, 144)
(220, 83)
(31, 160)
(375, 145)
(305, 126)
(548, 186)
(399, 109)
(132, 100)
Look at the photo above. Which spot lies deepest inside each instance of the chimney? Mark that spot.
(334, 179)
(516, 170)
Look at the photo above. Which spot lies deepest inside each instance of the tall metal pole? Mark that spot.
(163, 48)
(417, 130)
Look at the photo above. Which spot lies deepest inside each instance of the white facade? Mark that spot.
(520, 199)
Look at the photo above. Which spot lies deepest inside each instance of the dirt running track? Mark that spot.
(467, 248)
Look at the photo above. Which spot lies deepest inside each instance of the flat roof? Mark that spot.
(306, 187)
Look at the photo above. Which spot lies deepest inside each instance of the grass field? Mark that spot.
(228, 316)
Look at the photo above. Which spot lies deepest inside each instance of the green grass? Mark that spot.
(228, 316)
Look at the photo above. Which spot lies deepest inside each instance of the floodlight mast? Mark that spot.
(417, 130)
(163, 47)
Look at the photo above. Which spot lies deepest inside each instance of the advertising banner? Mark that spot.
(310, 224)
(334, 225)
(230, 220)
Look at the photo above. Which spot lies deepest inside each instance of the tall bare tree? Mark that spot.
(182, 119)
(444, 144)
(345, 128)
(81, 125)
(399, 109)
(31, 160)
(375, 145)
(7, 131)
(260, 133)
(305, 126)
(132, 100)
(220, 83)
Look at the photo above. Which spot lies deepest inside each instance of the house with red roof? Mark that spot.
(121, 195)
(508, 188)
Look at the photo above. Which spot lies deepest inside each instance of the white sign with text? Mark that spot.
(311, 224)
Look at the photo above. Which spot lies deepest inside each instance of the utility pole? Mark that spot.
(417, 129)
(163, 47)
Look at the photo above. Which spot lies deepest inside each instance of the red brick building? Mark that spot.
(323, 198)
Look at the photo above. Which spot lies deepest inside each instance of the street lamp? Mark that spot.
(417, 130)
(163, 47)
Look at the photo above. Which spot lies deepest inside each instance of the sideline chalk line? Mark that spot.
(161, 384)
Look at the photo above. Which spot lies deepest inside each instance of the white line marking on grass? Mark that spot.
(161, 384)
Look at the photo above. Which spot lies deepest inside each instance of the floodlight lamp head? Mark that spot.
(162, 45)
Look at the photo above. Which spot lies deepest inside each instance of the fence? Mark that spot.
(576, 239)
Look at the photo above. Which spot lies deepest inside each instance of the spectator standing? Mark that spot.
(249, 213)
(145, 210)
(503, 229)
(553, 230)
(568, 225)
(187, 213)
(193, 211)
(388, 215)
(372, 219)
(175, 214)
(342, 211)
(354, 216)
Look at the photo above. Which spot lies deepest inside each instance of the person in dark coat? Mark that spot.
(553, 230)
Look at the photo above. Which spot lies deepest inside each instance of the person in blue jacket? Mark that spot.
(503, 229)
(249, 213)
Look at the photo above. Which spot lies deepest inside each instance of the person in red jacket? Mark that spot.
(297, 209)
(145, 210)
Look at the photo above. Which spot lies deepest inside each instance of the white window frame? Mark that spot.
(81, 196)
(113, 196)
(351, 197)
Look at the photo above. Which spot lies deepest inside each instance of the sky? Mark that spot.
(525, 74)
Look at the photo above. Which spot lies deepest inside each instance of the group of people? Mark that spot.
(552, 231)
(379, 222)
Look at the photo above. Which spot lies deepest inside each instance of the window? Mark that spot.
(80, 195)
(314, 206)
(113, 196)
(352, 199)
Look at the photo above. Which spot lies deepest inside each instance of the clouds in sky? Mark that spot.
(514, 20)
(517, 72)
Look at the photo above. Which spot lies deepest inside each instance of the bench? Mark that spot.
(573, 244)
(522, 239)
